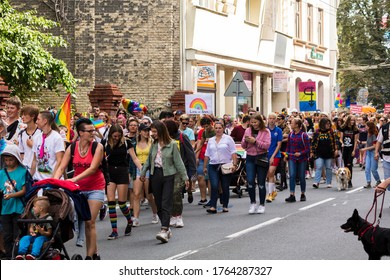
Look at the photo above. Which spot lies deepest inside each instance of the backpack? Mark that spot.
(103, 165)
(180, 142)
(29, 181)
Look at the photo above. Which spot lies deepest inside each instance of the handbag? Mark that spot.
(227, 168)
(262, 160)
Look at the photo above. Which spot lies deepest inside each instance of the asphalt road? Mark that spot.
(286, 231)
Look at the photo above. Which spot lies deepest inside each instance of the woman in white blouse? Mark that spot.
(220, 150)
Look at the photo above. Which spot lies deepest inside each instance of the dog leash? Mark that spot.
(375, 205)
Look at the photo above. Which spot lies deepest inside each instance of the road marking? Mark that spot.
(355, 190)
(182, 255)
(245, 231)
(315, 204)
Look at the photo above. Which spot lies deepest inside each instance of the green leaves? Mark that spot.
(363, 49)
(25, 62)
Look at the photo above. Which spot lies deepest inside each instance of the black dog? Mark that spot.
(376, 240)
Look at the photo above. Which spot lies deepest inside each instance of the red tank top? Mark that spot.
(80, 164)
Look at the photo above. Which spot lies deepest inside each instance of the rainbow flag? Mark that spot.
(98, 124)
(63, 115)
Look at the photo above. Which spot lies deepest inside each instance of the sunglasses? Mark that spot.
(185, 123)
(89, 131)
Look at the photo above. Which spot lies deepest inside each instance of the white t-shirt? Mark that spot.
(380, 140)
(20, 127)
(24, 141)
(103, 131)
(46, 164)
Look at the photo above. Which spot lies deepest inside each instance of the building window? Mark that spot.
(209, 4)
(298, 21)
(320, 27)
(253, 11)
(310, 23)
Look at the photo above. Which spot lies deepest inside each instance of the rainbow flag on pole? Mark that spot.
(63, 115)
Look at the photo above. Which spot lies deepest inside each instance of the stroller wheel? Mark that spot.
(77, 257)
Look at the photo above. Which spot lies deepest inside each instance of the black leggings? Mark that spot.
(348, 158)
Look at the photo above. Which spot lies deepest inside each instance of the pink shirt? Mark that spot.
(93, 182)
(263, 141)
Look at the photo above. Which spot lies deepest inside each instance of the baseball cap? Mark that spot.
(294, 110)
(143, 126)
(179, 112)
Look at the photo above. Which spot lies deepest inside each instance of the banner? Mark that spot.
(206, 76)
(355, 109)
(387, 109)
(307, 96)
(199, 103)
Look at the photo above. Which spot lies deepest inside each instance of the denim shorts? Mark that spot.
(94, 195)
(200, 168)
(131, 183)
(147, 174)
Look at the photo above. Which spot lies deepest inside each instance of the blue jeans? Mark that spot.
(320, 162)
(216, 177)
(253, 170)
(386, 169)
(37, 243)
(371, 166)
(297, 169)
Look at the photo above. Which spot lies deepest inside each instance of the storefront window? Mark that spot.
(245, 102)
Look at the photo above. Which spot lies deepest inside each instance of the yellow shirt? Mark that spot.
(143, 154)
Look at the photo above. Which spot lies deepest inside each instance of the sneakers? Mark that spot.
(269, 198)
(103, 212)
(190, 197)
(80, 243)
(179, 222)
(313, 173)
(367, 186)
(136, 222)
(291, 198)
(329, 186)
(307, 175)
(164, 235)
(20, 257)
(172, 222)
(303, 197)
(323, 181)
(128, 229)
(252, 208)
(154, 219)
(316, 185)
(274, 195)
(30, 257)
(260, 209)
(202, 202)
(113, 235)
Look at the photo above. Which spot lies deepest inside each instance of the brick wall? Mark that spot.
(133, 44)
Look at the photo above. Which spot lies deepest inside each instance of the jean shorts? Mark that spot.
(200, 168)
(94, 195)
(147, 174)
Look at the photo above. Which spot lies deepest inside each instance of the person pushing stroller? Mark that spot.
(39, 233)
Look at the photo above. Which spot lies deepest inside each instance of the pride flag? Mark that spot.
(98, 124)
(63, 115)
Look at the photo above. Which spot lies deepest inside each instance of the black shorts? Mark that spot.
(119, 174)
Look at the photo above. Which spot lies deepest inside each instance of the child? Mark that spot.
(12, 181)
(39, 233)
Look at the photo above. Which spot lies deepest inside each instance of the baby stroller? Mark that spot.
(62, 212)
(239, 181)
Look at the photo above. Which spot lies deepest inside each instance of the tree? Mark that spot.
(364, 55)
(26, 64)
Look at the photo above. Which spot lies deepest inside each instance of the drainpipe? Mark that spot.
(183, 34)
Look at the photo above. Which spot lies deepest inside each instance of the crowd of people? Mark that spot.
(159, 161)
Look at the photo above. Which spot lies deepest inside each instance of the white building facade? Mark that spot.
(260, 38)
